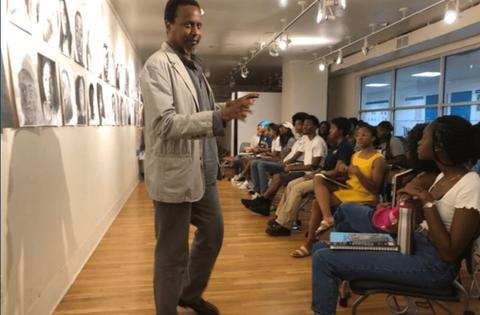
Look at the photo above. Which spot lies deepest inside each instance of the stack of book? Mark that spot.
(363, 241)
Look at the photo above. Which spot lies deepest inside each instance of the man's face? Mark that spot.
(308, 127)
(63, 17)
(47, 82)
(81, 94)
(298, 126)
(184, 33)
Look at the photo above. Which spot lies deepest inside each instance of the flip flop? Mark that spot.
(324, 226)
(300, 252)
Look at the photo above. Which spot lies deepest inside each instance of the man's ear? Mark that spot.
(168, 25)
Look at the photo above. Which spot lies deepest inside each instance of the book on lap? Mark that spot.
(334, 181)
(362, 241)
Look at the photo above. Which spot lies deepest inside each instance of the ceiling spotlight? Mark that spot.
(339, 57)
(284, 42)
(322, 65)
(244, 72)
(273, 50)
(365, 48)
(451, 12)
(321, 14)
(343, 4)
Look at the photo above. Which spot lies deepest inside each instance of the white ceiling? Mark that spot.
(233, 28)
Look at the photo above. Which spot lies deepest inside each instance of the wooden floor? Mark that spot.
(254, 274)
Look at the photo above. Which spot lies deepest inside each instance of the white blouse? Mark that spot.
(464, 194)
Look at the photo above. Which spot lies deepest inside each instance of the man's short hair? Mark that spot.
(299, 116)
(313, 119)
(172, 6)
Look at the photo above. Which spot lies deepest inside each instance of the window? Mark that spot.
(417, 85)
(462, 78)
(406, 119)
(374, 118)
(421, 94)
(376, 91)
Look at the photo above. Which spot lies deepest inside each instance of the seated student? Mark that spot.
(287, 208)
(324, 130)
(365, 177)
(259, 140)
(349, 217)
(274, 154)
(390, 146)
(451, 209)
(314, 149)
(261, 168)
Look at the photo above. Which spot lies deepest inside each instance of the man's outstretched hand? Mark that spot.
(239, 108)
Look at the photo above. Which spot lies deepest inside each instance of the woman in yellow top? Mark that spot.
(365, 177)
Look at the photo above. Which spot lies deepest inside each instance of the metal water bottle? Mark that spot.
(405, 228)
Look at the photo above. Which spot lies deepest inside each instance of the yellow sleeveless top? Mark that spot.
(358, 193)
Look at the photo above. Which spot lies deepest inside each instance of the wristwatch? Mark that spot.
(429, 204)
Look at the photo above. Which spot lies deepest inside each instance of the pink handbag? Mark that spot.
(386, 219)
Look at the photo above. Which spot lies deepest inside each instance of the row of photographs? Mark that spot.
(51, 94)
(62, 24)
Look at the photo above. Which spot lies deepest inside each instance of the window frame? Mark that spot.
(442, 106)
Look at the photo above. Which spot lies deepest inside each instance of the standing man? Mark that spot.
(181, 162)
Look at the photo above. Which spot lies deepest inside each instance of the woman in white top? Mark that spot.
(451, 211)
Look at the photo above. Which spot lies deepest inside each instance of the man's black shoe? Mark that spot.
(277, 230)
(261, 207)
(201, 307)
(248, 202)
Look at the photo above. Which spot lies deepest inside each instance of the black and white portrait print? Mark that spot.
(93, 115)
(65, 30)
(49, 91)
(101, 105)
(21, 13)
(79, 44)
(23, 65)
(105, 62)
(80, 105)
(66, 92)
(48, 22)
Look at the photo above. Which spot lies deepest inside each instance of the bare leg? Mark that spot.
(273, 187)
(325, 198)
(315, 219)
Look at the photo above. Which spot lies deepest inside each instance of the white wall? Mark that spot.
(304, 90)
(61, 190)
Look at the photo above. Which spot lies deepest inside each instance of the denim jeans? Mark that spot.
(354, 217)
(424, 269)
(259, 173)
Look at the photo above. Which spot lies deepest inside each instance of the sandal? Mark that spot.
(324, 226)
(300, 252)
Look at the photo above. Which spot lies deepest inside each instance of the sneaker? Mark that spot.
(244, 185)
(201, 307)
(277, 230)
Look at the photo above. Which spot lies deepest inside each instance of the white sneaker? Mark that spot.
(235, 178)
(243, 185)
(255, 196)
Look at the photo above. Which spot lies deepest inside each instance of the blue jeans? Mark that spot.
(259, 173)
(354, 217)
(423, 269)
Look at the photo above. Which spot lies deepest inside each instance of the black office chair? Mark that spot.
(452, 293)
